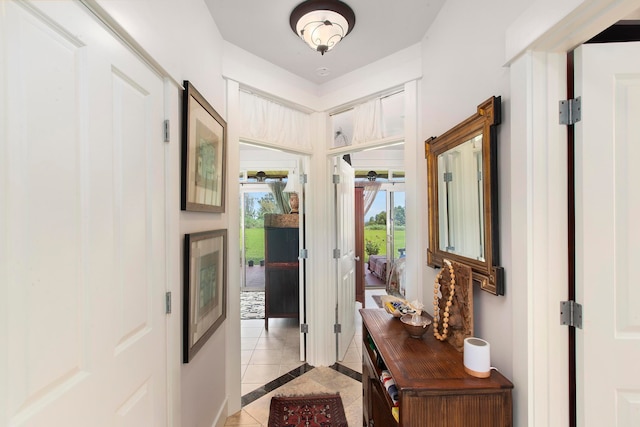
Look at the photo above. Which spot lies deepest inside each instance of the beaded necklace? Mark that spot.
(436, 307)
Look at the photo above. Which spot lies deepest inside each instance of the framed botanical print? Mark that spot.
(205, 288)
(204, 142)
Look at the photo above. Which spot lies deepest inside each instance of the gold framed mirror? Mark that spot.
(462, 168)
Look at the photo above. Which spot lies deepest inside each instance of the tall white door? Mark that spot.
(607, 79)
(346, 263)
(82, 224)
(303, 164)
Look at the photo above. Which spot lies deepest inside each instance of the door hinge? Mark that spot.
(304, 328)
(570, 111)
(165, 131)
(336, 179)
(304, 254)
(167, 303)
(336, 253)
(337, 328)
(571, 314)
(448, 176)
(303, 178)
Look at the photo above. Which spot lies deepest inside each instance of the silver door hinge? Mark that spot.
(570, 111)
(167, 302)
(448, 176)
(336, 253)
(571, 314)
(337, 328)
(304, 254)
(165, 131)
(336, 179)
(303, 178)
(304, 328)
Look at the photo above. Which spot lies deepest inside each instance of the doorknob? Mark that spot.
(356, 258)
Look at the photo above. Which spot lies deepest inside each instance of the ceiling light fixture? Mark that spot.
(261, 176)
(322, 23)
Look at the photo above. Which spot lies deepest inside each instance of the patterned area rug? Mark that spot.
(252, 305)
(307, 411)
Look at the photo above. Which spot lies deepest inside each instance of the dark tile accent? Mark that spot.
(272, 385)
(347, 371)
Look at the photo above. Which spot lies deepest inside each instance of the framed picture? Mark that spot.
(205, 288)
(204, 146)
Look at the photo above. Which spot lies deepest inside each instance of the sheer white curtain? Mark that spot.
(367, 121)
(282, 200)
(370, 192)
(269, 121)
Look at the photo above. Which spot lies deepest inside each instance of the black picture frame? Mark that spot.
(205, 288)
(204, 151)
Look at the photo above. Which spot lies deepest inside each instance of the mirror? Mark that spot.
(462, 192)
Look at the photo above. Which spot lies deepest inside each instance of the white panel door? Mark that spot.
(608, 234)
(303, 166)
(82, 224)
(346, 243)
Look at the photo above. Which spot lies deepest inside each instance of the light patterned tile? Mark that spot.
(250, 332)
(354, 412)
(252, 323)
(319, 380)
(286, 368)
(245, 356)
(290, 355)
(242, 418)
(266, 357)
(261, 374)
(351, 356)
(270, 343)
(260, 409)
(356, 366)
(248, 343)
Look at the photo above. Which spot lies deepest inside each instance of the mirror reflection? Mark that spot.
(461, 199)
(462, 172)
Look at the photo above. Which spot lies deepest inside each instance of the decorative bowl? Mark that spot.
(394, 305)
(415, 329)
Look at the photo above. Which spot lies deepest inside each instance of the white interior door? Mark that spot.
(346, 263)
(607, 78)
(82, 224)
(303, 166)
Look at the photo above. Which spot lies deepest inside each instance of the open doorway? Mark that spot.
(271, 343)
(380, 219)
(383, 230)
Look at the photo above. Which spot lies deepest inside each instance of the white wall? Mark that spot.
(463, 58)
(183, 38)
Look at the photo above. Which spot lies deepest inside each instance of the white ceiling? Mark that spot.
(382, 28)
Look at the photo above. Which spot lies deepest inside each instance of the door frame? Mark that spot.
(359, 225)
(538, 73)
(301, 165)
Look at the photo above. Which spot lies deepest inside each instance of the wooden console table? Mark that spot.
(433, 388)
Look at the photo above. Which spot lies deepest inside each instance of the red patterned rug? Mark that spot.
(307, 411)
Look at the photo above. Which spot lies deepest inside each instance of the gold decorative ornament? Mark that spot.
(436, 308)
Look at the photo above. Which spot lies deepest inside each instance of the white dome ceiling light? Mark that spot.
(322, 23)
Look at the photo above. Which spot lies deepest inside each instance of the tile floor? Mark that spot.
(271, 358)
